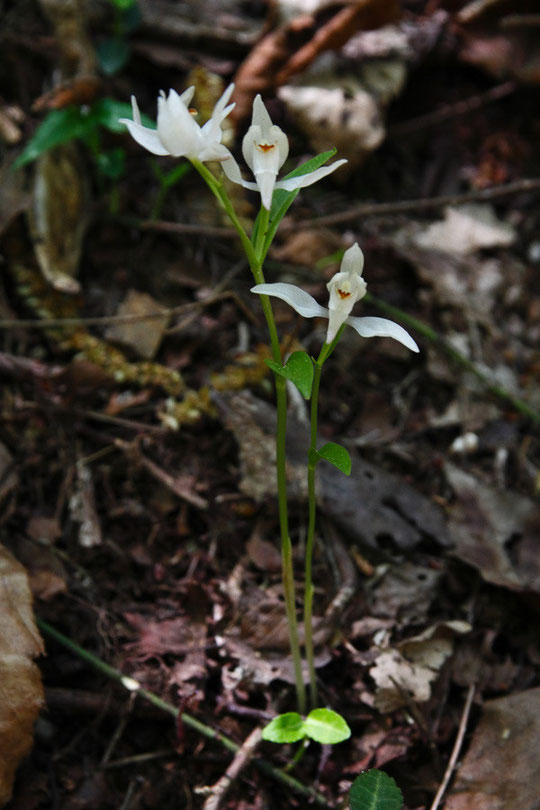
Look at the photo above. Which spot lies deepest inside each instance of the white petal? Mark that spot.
(261, 117)
(187, 95)
(278, 137)
(176, 128)
(382, 327)
(298, 299)
(215, 151)
(249, 144)
(265, 183)
(304, 180)
(135, 109)
(145, 137)
(353, 260)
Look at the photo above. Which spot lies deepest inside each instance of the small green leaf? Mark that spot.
(107, 111)
(336, 455)
(282, 200)
(326, 727)
(285, 728)
(60, 126)
(298, 369)
(375, 790)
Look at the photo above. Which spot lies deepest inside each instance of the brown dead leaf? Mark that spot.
(496, 531)
(292, 47)
(500, 770)
(407, 672)
(142, 336)
(21, 693)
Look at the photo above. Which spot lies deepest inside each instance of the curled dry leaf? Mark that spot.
(407, 672)
(21, 692)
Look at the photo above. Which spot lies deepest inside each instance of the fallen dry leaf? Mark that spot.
(143, 336)
(407, 672)
(465, 230)
(500, 770)
(21, 693)
(496, 531)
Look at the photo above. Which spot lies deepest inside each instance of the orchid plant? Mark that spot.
(265, 148)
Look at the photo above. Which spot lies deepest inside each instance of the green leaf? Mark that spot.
(326, 727)
(113, 54)
(60, 126)
(282, 200)
(107, 111)
(375, 790)
(336, 455)
(298, 369)
(285, 728)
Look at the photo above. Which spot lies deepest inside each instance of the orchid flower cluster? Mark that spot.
(265, 148)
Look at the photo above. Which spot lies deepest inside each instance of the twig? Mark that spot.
(241, 759)
(456, 750)
(448, 111)
(201, 728)
(422, 204)
(440, 343)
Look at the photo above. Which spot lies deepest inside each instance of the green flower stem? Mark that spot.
(187, 719)
(312, 511)
(255, 256)
(325, 353)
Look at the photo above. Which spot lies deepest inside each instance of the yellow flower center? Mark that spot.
(265, 147)
(343, 294)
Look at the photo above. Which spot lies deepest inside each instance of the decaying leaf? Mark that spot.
(465, 230)
(58, 215)
(496, 531)
(142, 336)
(370, 505)
(500, 769)
(21, 693)
(338, 113)
(406, 672)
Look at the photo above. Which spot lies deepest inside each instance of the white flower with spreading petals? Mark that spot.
(265, 148)
(177, 133)
(345, 288)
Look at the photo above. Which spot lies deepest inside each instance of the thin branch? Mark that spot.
(456, 750)
(531, 184)
(441, 344)
(241, 760)
(201, 728)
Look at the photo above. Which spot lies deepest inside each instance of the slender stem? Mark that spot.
(206, 731)
(255, 257)
(312, 511)
(324, 354)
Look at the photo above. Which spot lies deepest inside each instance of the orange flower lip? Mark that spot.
(342, 294)
(192, 111)
(266, 147)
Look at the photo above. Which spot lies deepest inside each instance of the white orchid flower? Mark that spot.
(265, 148)
(177, 133)
(345, 288)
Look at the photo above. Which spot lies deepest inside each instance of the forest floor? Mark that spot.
(137, 411)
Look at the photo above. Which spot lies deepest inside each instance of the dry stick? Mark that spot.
(134, 686)
(241, 759)
(456, 750)
(449, 111)
(441, 344)
(423, 204)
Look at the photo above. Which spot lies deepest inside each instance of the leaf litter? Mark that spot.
(162, 556)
